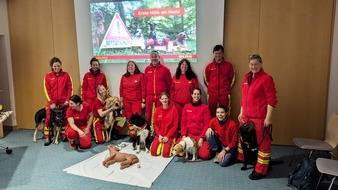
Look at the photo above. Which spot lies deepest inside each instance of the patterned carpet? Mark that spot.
(33, 166)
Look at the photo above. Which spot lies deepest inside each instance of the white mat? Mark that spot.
(151, 168)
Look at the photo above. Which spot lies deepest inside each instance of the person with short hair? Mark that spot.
(157, 79)
(222, 136)
(219, 77)
(91, 80)
(58, 88)
(257, 104)
(80, 118)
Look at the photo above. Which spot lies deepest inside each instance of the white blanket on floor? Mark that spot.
(151, 168)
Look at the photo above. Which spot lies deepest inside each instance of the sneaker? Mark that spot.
(256, 176)
(216, 159)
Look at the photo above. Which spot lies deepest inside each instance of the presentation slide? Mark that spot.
(130, 30)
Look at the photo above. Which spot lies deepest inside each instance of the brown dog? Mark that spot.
(124, 159)
(109, 119)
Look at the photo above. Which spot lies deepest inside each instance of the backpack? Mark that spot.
(305, 176)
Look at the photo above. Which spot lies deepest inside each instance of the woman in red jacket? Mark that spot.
(195, 122)
(80, 118)
(132, 93)
(165, 126)
(58, 88)
(257, 104)
(91, 80)
(184, 81)
(222, 136)
(99, 113)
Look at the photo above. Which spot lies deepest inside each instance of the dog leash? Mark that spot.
(267, 130)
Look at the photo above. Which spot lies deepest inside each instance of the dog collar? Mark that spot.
(141, 127)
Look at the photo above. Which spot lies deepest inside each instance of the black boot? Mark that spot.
(47, 142)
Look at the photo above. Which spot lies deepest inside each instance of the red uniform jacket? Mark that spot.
(166, 121)
(90, 83)
(195, 120)
(219, 78)
(133, 87)
(258, 95)
(58, 88)
(98, 105)
(80, 117)
(181, 89)
(157, 79)
(228, 133)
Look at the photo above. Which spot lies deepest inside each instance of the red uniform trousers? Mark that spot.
(264, 143)
(97, 130)
(46, 130)
(152, 103)
(204, 152)
(164, 149)
(132, 107)
(90, 102)
(215, 100)
(85, 142)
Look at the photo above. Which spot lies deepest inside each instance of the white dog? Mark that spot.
(138, 39)
(186, 146)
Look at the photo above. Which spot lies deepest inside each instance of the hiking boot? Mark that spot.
(72, 144)
(256, 176)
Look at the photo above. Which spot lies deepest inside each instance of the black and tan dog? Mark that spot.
(142, 140)
(57, 117)
(40, 117)
(247, 134)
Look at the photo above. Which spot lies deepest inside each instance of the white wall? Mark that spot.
(6, 76)
(332, 103)
(210, 19)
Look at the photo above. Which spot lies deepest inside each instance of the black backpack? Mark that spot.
(305, 176)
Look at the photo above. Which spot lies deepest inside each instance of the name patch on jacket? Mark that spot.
(189, 111)
(214, 68)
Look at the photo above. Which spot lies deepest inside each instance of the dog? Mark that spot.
(40, 117)
(125, 160)
(57, 117)
(99, 31)
(187, 146)
(142, 129)
(110, 118)
(181, 40)
(247, 134)
(152, 38)
(138, 39)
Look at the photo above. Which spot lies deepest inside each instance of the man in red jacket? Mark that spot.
(91, 81)
(157, 80)
(219, 77)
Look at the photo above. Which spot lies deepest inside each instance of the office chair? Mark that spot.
(330, 142)
(327, 166)
(3, 114)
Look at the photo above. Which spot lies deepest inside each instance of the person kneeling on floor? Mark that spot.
(80, 118)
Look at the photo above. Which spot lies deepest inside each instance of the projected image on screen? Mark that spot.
(124, 30)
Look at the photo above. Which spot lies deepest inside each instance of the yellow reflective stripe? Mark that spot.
(264, 155)
(45, 89)
(263, 161)
(159, 148)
